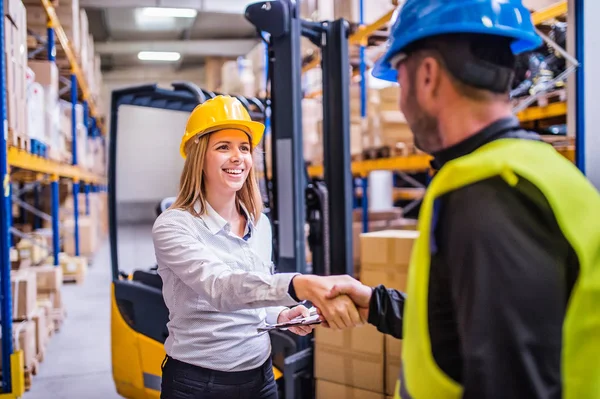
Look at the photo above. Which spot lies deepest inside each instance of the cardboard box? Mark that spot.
(88, 235)
(31, 248)
(393, 360)
(331, 390)
(40, 320)
(68, 15)
(11, 85)
(84, 40)
(357, 230)
(388, 249)
(24, 339)
(12, 11)
(49, 278)
(46, 306)
(24, 293)
(16, 263)
(46, 73)
(54, 298)
(352, 357)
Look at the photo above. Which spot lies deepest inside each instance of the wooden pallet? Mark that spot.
(58, 318)
(554, 96)
(19, 140)
(27, 379)
(401, 149)
(40, 356)
(77, 278)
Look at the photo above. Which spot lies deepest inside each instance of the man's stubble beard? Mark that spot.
(425, 128)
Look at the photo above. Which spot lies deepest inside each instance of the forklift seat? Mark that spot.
(148, 277)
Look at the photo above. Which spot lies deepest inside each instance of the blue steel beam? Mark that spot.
(87, 199)
(37, 223)
(55, 219)
(6, 313)
(76, 215)
(74, 150)
(74, 117)
(580, 86)
(365, 204)
(50, 44)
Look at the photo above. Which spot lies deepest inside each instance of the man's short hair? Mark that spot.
(482, 66)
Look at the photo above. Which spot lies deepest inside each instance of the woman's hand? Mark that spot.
(291, 313)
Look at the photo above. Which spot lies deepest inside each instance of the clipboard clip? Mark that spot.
(312, 319)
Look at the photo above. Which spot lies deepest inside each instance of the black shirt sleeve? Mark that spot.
(506, 259)
(386, 309)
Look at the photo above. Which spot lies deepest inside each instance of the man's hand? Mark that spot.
(339, 312)
(292, 313)
(358, 292)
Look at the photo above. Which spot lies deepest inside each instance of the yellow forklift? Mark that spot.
(139, 315)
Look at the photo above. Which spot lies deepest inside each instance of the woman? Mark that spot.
(213, 248)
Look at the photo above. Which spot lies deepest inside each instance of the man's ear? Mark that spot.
(429, 78)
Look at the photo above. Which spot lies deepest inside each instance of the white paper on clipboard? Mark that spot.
(313, 318)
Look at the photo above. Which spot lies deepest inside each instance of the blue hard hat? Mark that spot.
(419, 19)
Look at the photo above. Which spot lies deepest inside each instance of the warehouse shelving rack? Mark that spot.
(37, 169)
(415, 163)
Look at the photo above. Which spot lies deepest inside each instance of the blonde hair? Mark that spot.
(192, 189)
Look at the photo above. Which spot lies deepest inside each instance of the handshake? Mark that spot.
(342, 301)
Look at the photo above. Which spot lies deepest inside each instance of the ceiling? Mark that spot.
(121, 30)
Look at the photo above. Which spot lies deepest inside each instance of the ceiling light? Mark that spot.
(162, 12)
(158, 56)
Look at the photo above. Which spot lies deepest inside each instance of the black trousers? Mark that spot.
(185, 381)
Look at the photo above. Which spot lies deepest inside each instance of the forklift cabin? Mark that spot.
(139, 315)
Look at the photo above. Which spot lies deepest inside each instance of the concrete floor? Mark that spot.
(77, 362)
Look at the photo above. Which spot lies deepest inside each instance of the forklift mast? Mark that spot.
(326, 207)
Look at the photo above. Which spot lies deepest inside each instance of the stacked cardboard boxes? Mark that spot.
(74, 268)
(66, 134)
(24, 292)
(388, 124)
(15, 51)
(92, 223)
(350, 362)
(363, 363)
(237, 77)
(43, 109)
(75, 23)
(378, 220)
(385, 260)
(312, 119)
(49, 294)
(68, 15)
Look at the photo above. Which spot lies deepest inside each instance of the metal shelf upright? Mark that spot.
(13, 385)
(5, 285)
(12, 362)
(363, 114)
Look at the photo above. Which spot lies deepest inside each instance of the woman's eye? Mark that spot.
(245, 148)
(223, 147)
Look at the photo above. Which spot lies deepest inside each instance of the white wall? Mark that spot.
(148, 160)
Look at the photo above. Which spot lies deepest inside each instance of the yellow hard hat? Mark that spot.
(221, 112)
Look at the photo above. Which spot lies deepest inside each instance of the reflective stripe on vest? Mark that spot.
(576, 206)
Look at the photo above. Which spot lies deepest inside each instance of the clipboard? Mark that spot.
(313, 318)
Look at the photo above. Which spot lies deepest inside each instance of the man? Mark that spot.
(504, 283)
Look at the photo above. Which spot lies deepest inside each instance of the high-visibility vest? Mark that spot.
(576, 206)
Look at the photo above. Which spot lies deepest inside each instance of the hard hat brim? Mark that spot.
(254, 129)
